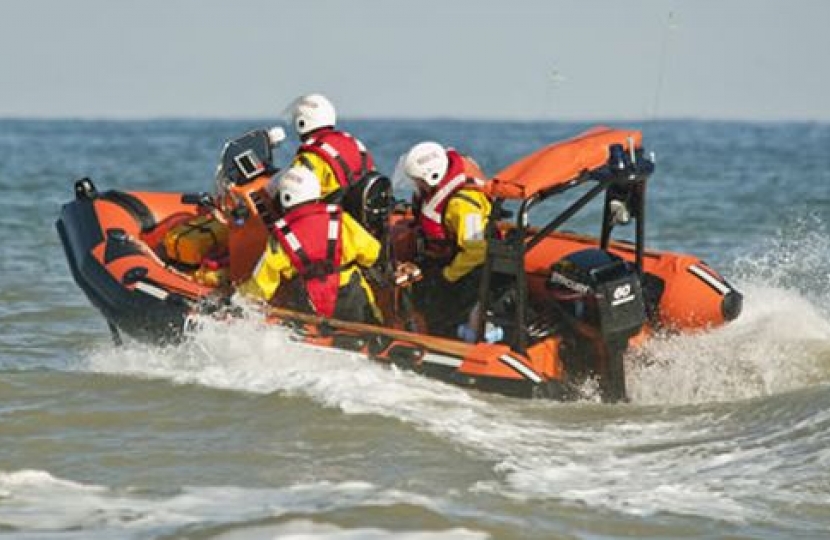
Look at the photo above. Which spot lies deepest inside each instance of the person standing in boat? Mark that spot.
(452, 209)
(321, 245)
(336, 157)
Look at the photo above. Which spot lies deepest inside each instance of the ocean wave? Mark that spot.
(36, 504)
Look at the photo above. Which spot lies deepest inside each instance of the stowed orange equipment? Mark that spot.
(195, 239)
(560, 163)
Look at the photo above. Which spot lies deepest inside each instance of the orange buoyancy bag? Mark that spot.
(195, 239)
(311, 237)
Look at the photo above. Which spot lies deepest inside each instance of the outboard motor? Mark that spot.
(600, 298)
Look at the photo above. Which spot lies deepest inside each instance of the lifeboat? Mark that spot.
(569, 309)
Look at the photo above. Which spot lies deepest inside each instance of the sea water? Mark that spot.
(243, 433)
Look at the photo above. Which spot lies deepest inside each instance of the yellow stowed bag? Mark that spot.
(219, 277)
(193, 240)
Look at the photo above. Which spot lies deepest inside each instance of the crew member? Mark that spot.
(336, 157)
(321, 245)
(453, 210)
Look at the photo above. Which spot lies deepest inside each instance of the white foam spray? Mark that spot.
(776, 346)
(39, 505)
(781, 341)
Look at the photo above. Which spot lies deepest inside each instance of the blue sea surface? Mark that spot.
(244, 433)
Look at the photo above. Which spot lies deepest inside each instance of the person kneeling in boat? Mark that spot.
(337, 158)
(321, 245)
(452, 211)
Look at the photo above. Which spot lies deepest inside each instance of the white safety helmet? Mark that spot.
(298, 185)
(426, 161)
(311, 112)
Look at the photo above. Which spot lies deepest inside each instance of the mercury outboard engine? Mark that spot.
(600, 298)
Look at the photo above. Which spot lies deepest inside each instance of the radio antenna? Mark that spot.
(670, 25)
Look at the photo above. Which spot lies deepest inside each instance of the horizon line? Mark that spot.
(436, 118)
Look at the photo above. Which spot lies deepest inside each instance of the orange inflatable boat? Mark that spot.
(571, 308)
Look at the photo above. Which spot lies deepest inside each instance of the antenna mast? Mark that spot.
(662, 68)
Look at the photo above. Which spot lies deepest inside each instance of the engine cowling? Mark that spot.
(600, 290)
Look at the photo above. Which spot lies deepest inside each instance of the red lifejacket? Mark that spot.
(310, 236)
(345, 154)
(461, 173)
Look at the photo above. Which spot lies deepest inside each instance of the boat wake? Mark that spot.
(689, 461)
(780, 343)
(694, 458)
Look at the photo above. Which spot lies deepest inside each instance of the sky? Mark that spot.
(757, 60)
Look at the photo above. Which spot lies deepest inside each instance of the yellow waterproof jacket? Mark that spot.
(465, 218)
(357, 246)
(321, 169)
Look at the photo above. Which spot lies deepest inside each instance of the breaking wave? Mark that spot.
(780, 343)
(39, 505)
(710, 413)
